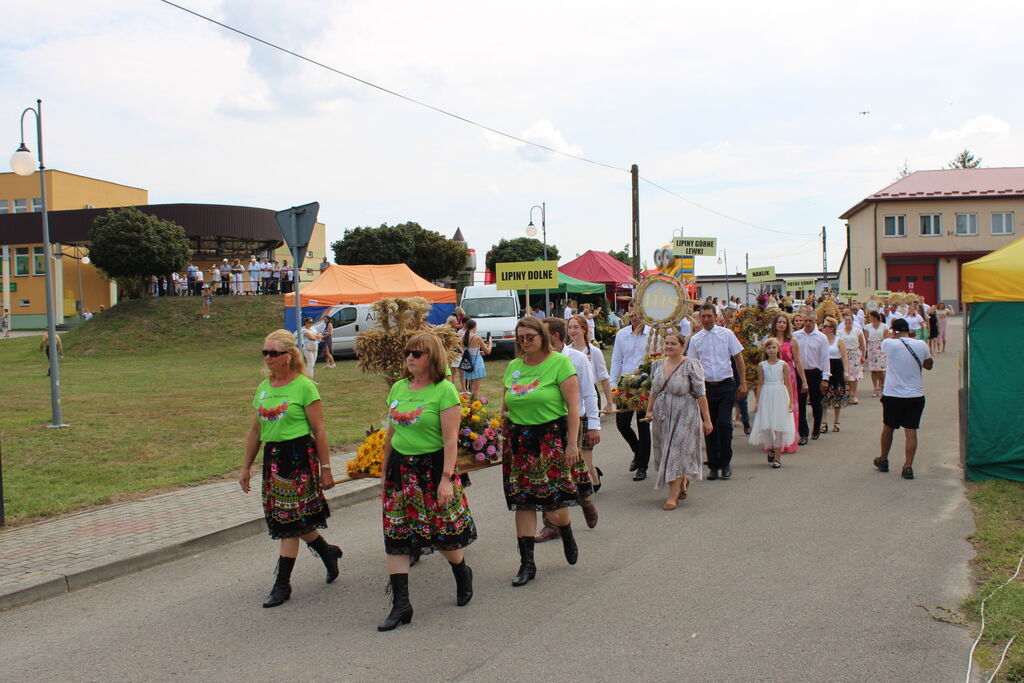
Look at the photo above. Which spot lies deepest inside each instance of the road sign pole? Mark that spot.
(295, 269)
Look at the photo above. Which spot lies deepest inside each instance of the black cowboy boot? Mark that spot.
(282, 589)
(330, 554)
(527, 568)
(572, 553)
(463, 583)
(401, 610)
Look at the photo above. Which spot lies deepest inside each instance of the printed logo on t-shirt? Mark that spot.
(405, 418)
(524, 389)
(272, 414)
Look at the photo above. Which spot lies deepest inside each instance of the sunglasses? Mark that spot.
(415, 353)
(526, 338)
(272, 353)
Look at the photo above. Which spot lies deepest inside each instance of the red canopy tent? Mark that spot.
(600, 267)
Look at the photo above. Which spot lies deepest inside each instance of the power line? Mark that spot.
(457, 117)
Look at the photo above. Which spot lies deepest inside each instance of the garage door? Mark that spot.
(918, 278)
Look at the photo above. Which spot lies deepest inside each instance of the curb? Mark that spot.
(56, 584)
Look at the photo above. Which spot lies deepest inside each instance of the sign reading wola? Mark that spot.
(695, 246)
(765, 274)
(527, 275)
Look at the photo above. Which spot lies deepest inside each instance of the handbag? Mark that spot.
(466, 364)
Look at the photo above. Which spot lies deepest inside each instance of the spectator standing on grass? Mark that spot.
(225, 278)
(296, 461)
(903, 395)
(5, 323)
(207, 300)
(44, 347)
(453, 323)
(254, 276)
(264, 276)
(328, 341)
(310, 341)
(190, 273)
(477, 348)
(627, 354)
(721, 355)
(237, 276)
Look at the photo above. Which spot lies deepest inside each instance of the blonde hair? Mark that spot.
(285, 341)
(431, 343)
(770, 341)
(829, 320)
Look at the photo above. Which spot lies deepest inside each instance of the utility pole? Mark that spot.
(634, 173)
(824, 257)
(746, 297)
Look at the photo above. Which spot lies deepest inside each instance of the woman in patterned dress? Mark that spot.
(296, 463)
(541, 464)
(424, 507)
(837, 395)
(875, 331)
(853, 340)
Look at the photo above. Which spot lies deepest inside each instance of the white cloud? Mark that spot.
(984, 125)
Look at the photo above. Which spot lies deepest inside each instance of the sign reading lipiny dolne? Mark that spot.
(527, 275)
(764, 274)
(695, 246)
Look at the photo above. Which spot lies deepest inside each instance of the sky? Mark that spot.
(766, 120)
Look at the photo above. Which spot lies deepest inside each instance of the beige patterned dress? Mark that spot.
(677, 442)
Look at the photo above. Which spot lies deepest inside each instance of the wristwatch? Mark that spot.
(448, 475)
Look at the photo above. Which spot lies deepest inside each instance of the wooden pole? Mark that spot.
(634, 173)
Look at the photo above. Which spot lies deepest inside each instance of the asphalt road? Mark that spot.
(811, 572)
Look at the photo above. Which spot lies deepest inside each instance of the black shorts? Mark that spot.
(902, 412)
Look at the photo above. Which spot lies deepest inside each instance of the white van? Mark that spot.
(495, 311)
(348, 320)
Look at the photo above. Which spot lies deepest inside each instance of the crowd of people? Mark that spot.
(551, 419)
(230, 277)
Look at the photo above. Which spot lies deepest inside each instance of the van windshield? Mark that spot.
(498, 307)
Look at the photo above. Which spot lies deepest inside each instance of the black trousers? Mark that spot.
(813, 394)
(721, 401)
(640, 445)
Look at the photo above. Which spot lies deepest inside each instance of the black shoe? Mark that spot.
(329, 554)
(597, 486)
(632, 465)
(527, 568)
(463, 583)
(641, 474)
(908, 472)
(881, 464)
(712, 475)
(572, 552)
(726, 472)
(401, 609)
(802, 441)
(278, 595)
(814, 437)
(414, 556)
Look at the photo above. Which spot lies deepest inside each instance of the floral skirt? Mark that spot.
(293, 502)
(413, 519)
(837, 395)
(533, 469)
(876, 359)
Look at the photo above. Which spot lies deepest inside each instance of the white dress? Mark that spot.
(773, 423)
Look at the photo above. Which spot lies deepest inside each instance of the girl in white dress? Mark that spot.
(773, 403)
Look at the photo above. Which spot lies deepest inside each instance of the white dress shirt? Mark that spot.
(588, 393)
(714, 349)
(628, 352)
(684, 327)
(814, 352)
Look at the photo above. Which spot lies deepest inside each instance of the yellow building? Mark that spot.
(316, 252)
(914, 235)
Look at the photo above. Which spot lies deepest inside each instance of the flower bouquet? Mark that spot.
(635, 388)
(480, 434)
(751, 326)
(369, 456)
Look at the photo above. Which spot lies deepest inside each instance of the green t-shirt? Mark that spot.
(416, 415)
(532, 393)
(282, 410)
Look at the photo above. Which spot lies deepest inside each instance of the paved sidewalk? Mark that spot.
(40, 560)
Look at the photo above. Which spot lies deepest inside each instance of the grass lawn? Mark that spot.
(156, 398)
(999, 539)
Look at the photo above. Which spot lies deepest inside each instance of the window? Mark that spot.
(1002, 223)
(931, 224)
(5, 206)
(37, 205)
(895, 226)
(38, 261)
(20, 206)
(967, 224)
(21, 260)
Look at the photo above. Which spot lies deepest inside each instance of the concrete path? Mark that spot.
(817, 571)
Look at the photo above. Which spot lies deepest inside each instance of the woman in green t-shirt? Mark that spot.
(424, 505)
(541, 466)
(296, 464)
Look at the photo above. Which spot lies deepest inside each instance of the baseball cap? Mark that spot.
(900, 325)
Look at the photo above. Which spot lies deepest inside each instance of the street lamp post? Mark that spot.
(724, 259)
(531, 231)
(23, 164)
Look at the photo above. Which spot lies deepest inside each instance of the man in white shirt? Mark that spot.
(814, 357)
(629, 350)
(570, 307)
(903, 395)
(717, 348)
(590, 420)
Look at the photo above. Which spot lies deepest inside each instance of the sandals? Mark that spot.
(835, 427)
(824, 428)
(669, 505)
(771, 457)
(776, 465)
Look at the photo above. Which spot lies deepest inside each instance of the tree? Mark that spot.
(519, 249)
(131, 246)
(965, 160)
(429, 254)
(625, 255)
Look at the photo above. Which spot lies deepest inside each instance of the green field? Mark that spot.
(157, 398)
